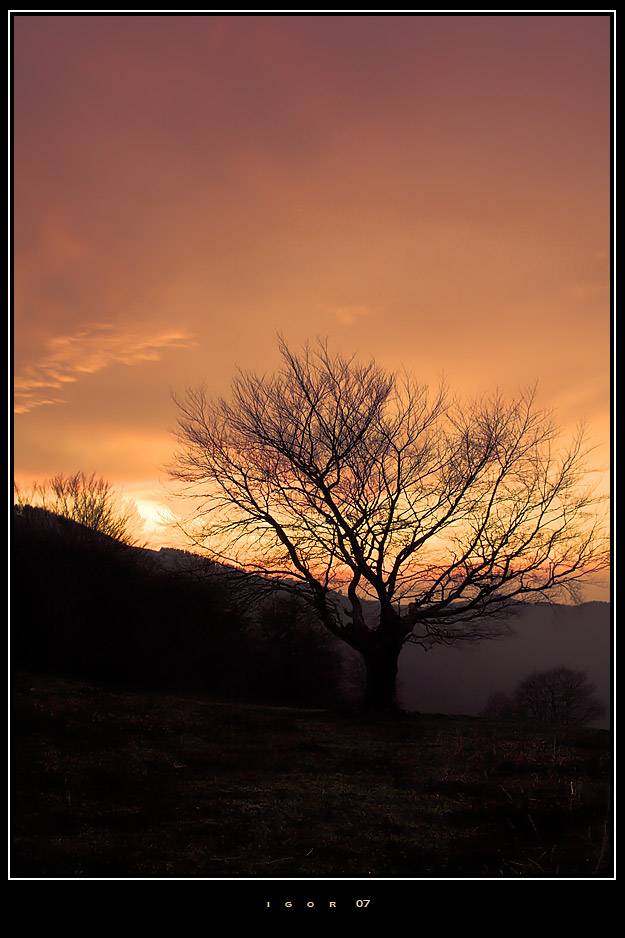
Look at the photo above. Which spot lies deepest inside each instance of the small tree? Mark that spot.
(88, 500)
(560, 695)
(342, 482)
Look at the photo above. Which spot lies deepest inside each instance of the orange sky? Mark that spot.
(432, 190)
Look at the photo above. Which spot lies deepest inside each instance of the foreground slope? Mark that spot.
(129, 785)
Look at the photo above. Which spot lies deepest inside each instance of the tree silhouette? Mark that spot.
(342, 482)
(560, 695)
(89, 500)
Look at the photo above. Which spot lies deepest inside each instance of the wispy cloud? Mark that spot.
(97, 346)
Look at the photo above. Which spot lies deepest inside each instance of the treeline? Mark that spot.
(87, 606)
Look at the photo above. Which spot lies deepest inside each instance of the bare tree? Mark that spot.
(88, 500)
(560, 695)
(334, 475)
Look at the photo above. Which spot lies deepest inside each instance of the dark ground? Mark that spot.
(134, 786)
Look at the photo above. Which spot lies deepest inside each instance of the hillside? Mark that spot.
(170, 620)
(86, 607)
(144, 743)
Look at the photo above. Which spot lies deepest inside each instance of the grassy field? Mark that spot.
(128, 785)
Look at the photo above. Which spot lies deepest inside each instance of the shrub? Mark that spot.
(559, 695)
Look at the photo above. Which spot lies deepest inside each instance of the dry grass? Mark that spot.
(126, 785)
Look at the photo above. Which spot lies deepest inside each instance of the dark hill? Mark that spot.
(85, 606)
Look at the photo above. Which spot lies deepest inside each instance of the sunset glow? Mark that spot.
(429, 190)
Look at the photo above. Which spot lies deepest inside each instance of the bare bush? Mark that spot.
(88, 500)
(558, 695)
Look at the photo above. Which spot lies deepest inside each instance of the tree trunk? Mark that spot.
(381, 688)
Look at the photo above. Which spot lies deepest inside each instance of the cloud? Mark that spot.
(97, 346)
(25, 401)
(349, 315)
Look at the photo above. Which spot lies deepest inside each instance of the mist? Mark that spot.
(542, 636)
